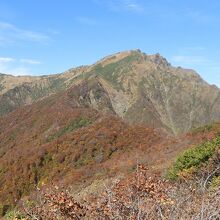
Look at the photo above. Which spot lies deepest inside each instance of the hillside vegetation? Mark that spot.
(193, 158)
(132, 135)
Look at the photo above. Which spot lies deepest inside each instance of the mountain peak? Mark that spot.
(138, 87)
(158, 59)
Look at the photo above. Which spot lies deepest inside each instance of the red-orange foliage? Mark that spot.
(139, 196)
(29, 157)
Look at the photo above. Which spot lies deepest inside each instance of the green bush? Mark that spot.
(215, 183)
(14, 214)
(73, 125)
(193, 157)
(4, 209)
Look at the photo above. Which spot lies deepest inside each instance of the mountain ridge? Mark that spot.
(141, 89)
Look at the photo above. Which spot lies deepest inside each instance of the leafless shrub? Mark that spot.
(138, 197)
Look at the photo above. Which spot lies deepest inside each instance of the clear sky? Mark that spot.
(50, 36)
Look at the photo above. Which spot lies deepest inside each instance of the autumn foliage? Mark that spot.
(138, 196)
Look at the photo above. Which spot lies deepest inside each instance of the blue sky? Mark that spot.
(50, 36)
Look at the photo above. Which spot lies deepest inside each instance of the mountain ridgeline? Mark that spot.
(139, 88)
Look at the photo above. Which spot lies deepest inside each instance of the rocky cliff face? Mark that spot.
(137, 87)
